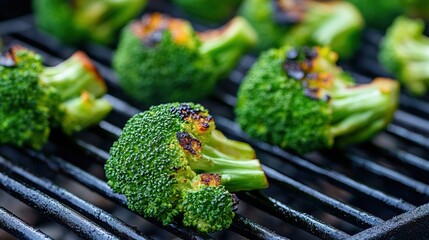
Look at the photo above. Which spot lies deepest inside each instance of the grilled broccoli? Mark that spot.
(380, 13)
(298, 23)
(36, 98)
(170, 161)
(209, 10)
(79, 21)
(299, 99)
(161, 59)
(405, 52)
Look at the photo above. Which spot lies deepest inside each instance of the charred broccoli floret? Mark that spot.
(405, 52)
(170, 160)
(162, 59)
(299, 99)
(35, 98)
(297, 22)
(209, 10)
(79, 21)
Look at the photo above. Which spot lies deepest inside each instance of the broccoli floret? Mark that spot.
(405, 52)
(34, 98)
(380, 13)
(170, 160)
(161, 59)
(298, 23)
(299, 99)
(79, 21)
(209, 10)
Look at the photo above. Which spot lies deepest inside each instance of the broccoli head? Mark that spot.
(162, 59)
(299, 99)
(298, 23)
(170, 160)
(404, 51)
(36, 98)
(209, 10)
(79, 21)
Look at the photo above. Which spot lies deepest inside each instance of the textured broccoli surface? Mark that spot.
(81, 21)
(36, 98)
(300, 23)
(209, 10)
(170, 160)
(299, 99)
(404, 51)
(161, 59)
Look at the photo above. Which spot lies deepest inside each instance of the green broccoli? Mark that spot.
(36, 98)
(284, 22)
(170, 161)
(380, 13)
(297, 98)
(405, 52)
(161, 59)
(79, 21)
(209, 10)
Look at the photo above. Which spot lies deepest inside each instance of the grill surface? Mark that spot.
(378, 189)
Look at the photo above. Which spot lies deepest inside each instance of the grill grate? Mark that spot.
(378, 189)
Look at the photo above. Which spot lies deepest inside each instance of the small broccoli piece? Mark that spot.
(170, 160)
(162, 59)
(405, 52)
(35, 98)
(209, 10)
(80, 21)
(299, 99)
(299, 23)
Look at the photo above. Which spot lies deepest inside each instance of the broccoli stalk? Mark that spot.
(317, 104)
(171, 160)
(299, 23)
(79, 21)
(191, 63)
(360, 112)
(36, 98)
(228, 44)
(405, 52)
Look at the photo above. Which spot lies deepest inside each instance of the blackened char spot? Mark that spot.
(154, 38)
(235, 202)
(7, 60)
(187, 113)
(188, 143)
(210, 179)
(294, 70)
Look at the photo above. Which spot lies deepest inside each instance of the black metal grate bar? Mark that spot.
(116, 226)
(335, 207)
(330, 175)
(18, 228)
(252, 230)
(53, 209)
(291, 216)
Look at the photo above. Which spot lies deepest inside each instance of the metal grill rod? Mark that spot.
(53, 209)
(18, 228)
(116, 226)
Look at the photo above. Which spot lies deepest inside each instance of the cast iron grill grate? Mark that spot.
(378, 189)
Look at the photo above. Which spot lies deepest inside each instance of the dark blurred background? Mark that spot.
(14, 8)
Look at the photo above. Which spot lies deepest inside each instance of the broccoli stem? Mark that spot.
(236, 174)
(227, 45)
(82, 112)
(73, 76)
(360, 111)
(234, 149)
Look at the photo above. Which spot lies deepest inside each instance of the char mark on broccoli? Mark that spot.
(299, 65)
(210, 179)
(288, 12)
(188, 143)
(190, 114)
